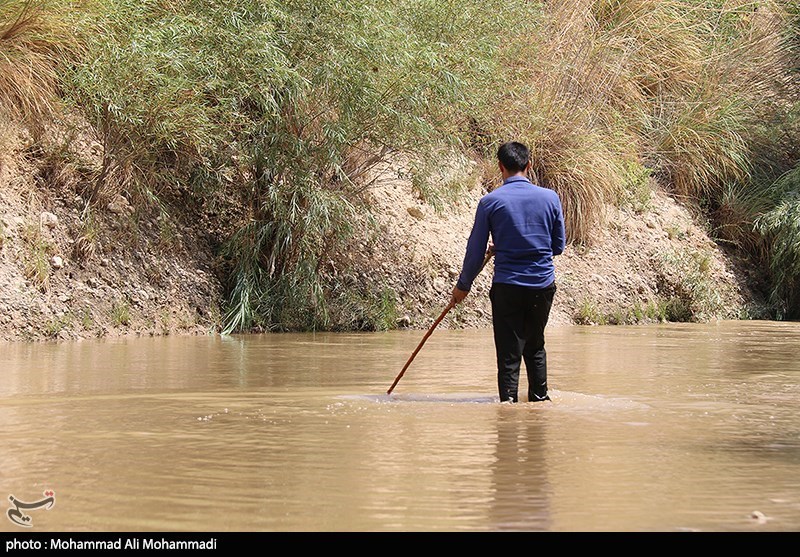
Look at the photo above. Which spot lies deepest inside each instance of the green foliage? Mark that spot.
(757, 216)
(55, 325)
(781, 226)
(121, 313)
(653, 311)
(277, 258)
(637, 313)
(293, 103)
(738, 205)
(589, 314)
(85, 245)
(87, 321)
(197, 79)
(678, 310)
(368, 308)
(36, 257)
(439, 185)
(636, 189)
(690, 293)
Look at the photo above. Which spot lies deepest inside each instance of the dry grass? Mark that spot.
(36, 256)
(675, 85)
(35, 38)
(566, 90)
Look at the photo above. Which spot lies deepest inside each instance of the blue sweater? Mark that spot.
(527, 226)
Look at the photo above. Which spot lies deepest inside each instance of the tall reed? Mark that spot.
(674, 85)
(780, 226)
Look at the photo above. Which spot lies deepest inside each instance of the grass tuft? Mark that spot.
(121, 313)
(35, 39)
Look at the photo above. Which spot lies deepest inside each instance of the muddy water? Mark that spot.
(674, 427)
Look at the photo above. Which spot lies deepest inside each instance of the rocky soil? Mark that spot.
(66, 274)
(646, 263)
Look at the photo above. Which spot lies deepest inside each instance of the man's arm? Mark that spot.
(473, 259)
(558, 235)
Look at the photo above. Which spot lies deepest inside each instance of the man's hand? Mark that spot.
(458, 295)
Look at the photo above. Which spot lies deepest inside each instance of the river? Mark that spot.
(652, 428)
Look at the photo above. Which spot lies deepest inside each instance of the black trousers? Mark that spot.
(519, 316)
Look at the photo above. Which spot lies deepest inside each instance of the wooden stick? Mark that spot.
(450, 306)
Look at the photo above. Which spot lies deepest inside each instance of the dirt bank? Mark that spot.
(68, 272)
(648, 263)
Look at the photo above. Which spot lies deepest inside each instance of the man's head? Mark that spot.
(514, 157)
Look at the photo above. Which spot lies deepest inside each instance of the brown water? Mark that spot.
(664, 428)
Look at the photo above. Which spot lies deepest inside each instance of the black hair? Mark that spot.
(514, 156)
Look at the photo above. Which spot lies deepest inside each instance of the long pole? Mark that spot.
(450, 306)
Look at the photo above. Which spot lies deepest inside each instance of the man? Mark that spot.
(527, 227)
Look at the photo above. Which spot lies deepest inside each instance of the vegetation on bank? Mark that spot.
(285, 108)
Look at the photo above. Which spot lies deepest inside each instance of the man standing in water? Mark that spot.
(527, 227)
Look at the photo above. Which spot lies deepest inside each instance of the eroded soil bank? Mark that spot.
(114, 268)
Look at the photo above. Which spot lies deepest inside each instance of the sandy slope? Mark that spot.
(634, 259)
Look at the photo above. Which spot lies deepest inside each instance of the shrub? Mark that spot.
(781, 227)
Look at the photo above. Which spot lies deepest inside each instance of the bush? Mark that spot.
(601, 86)
(289, 105)
(781, 227)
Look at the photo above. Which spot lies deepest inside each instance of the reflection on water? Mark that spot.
(674, 427)
(520, 488)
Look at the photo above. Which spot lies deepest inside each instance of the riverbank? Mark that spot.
(651, 260)
(291, 178)
(72, 270)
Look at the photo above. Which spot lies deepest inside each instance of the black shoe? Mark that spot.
(536, 398)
